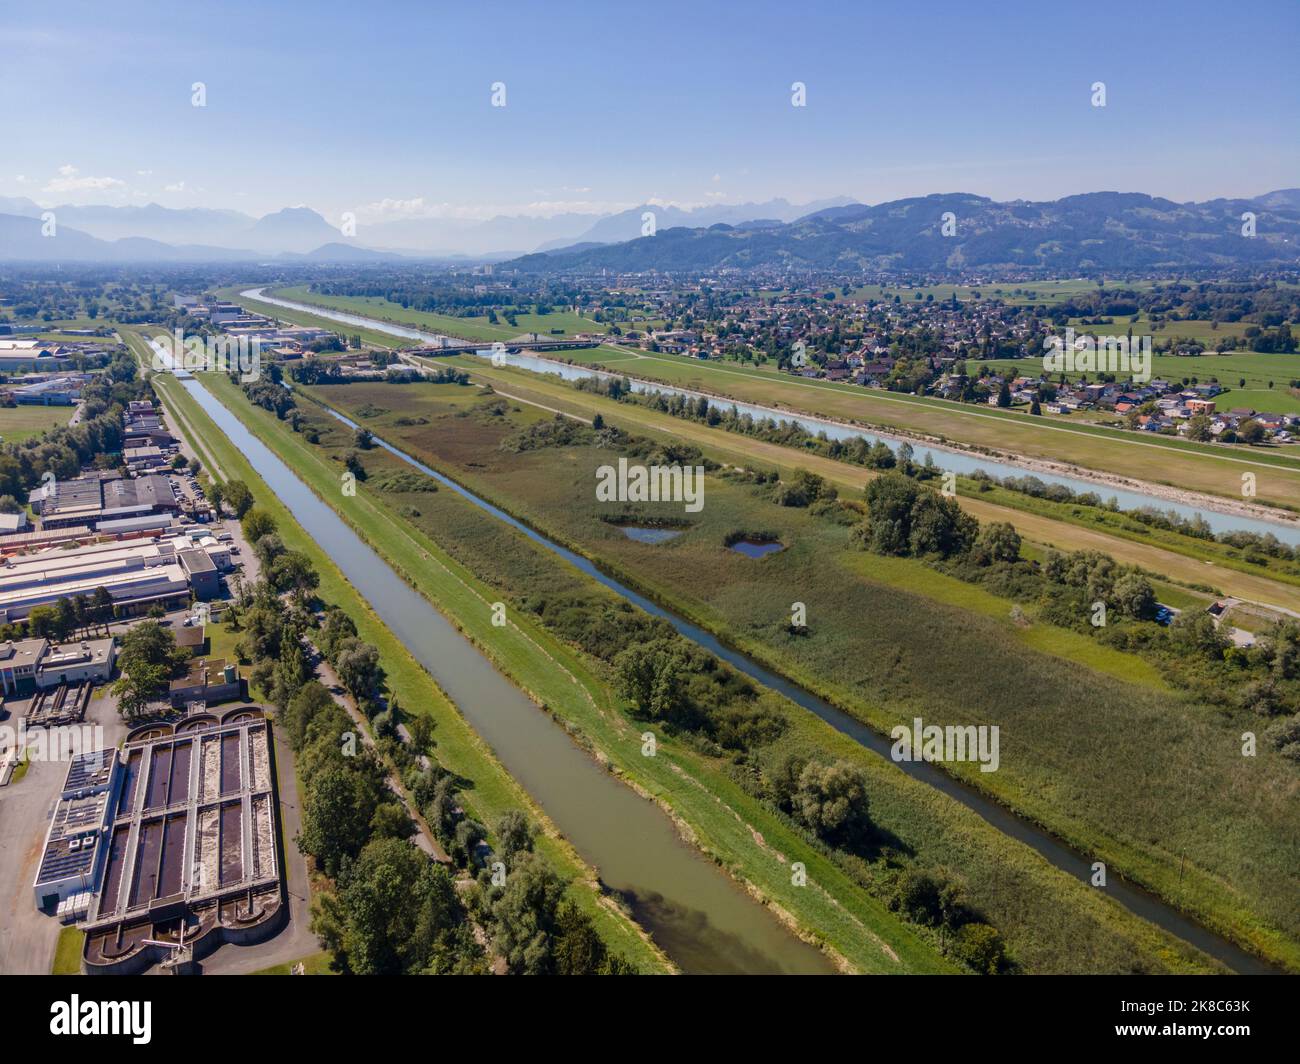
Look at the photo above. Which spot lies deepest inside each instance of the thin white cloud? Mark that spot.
(72, 180)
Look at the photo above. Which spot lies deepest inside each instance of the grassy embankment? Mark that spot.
(492, 791)
(1052, 922)
(1152, 784)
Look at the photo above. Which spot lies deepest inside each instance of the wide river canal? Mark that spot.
(700, 917)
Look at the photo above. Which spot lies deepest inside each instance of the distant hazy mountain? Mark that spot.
(195, 225)
(1103, 230)
(627, 225)
(300, 229)
(297, 229)
(21, 240)
(340, 252)
(512, 234)
(21, 206)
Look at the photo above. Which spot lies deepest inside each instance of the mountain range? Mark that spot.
(956, 231)
(1105, 230)
(154, 232)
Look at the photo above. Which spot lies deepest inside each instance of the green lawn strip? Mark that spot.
(1185, 885)
(67, 954)
(1048, 885)
(836, 912)
(492, 791)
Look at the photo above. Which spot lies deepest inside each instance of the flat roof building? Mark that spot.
(73, 856)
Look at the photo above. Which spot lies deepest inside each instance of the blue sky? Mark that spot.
(384, 108)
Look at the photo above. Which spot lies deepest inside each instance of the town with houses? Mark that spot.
(947, 348)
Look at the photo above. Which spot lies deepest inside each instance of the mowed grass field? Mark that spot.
(470, 328)
(18, 423)
(1053, 922)
(1257, 370)
(1150, 782)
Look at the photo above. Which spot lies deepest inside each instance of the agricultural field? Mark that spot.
(18, 423)
(469, 328)
(1180, 809)
(1259, 371)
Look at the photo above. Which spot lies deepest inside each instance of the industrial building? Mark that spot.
(191, 838)
(207, 681)
(89, 499)
(135, 573)
(27, 664)
(73, 855)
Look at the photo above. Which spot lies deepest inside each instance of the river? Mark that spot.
(957, 461)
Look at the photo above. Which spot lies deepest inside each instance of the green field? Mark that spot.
(1229, 370)
(722, 578)
(470, 328)
(18, 423)
(67, 954)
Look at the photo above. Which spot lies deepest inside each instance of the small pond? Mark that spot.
(643, 534)
(753, 548)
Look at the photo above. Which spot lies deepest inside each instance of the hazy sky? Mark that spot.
(385, 108)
